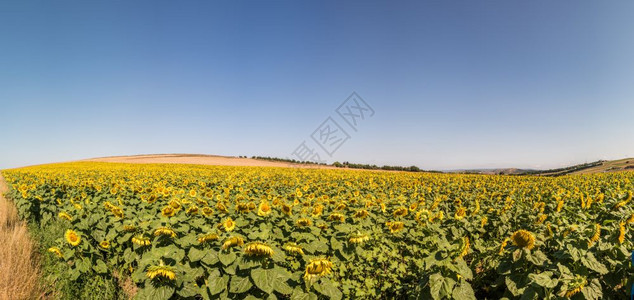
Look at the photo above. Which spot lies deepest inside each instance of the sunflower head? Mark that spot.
(264, 209)
(72, 237)
(287, 209)
(232, 242)
(318, 267)
(395, 227)
(55, 251)
(65, 216)
(400, 212)
(337, 217)
(361, 214)
(228, 224)
(293, 249)
(523, 239)
(164, 231)
(141, 240)
(161, 271)
(206, 238)
(258, 249)
(358, 238)
(104, 245)
(304, 222)
(207, 211)
(168, 211)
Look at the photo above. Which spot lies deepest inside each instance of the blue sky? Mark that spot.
(454, 84)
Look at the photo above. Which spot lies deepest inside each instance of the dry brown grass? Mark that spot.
(19, 270)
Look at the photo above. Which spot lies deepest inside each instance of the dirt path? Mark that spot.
(19, 270)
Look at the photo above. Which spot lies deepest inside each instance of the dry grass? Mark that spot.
(19, 270)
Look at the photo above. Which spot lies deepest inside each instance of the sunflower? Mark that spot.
(221, 207)
(129, 228)
(228, 224)
(164, 231)
(358, 238)
(337, 217)
(264, 209)
(395, 226)
(621, 237)
(576, 285)
(318, 210)
(242, 207)
(502, 246)
(192, 193)
(541, 219)
(208, 238)
(65, 216)
(232, 241)
(303, 222)
(192, 210)
(293, 249)
(258, 249)
(168, 211)
(55, 251)
(400, 212)
(72, 237)
(322, 225)
(162, 271)
(318, 267)
(141, 240)
(104, 244)
(523, 239)
(175, 203)
(361, 214)
(118, 212)
(464, 247)
(207, 211)
(483, 222)
(630, 220)
(596, 235)
(460, 213)
(287, 209)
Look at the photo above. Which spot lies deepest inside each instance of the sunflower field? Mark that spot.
(207, 232)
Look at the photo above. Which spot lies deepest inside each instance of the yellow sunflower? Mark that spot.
(523, 239)
(318, 267)
(55, 251)
(72, 237)
(161, 271)
(258, 249)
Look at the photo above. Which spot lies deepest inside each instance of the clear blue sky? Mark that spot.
(454, 84)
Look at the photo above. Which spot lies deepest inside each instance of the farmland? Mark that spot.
(192, 231)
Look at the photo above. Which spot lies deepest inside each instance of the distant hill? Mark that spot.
(600, 166)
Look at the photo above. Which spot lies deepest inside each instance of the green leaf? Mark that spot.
(269, 280)
(211, 258)
(83, 265)
(330, 290)
(189, 290)
(299, 294)
(591, 262)
(538, 258)
(216, 283)
(593, 290)
(239, 284)
(195, 254)
(544, 279)
(463, 291)
(440, 286)
(226, 258)
(151, 292)
(516, 284)
(100, 267)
